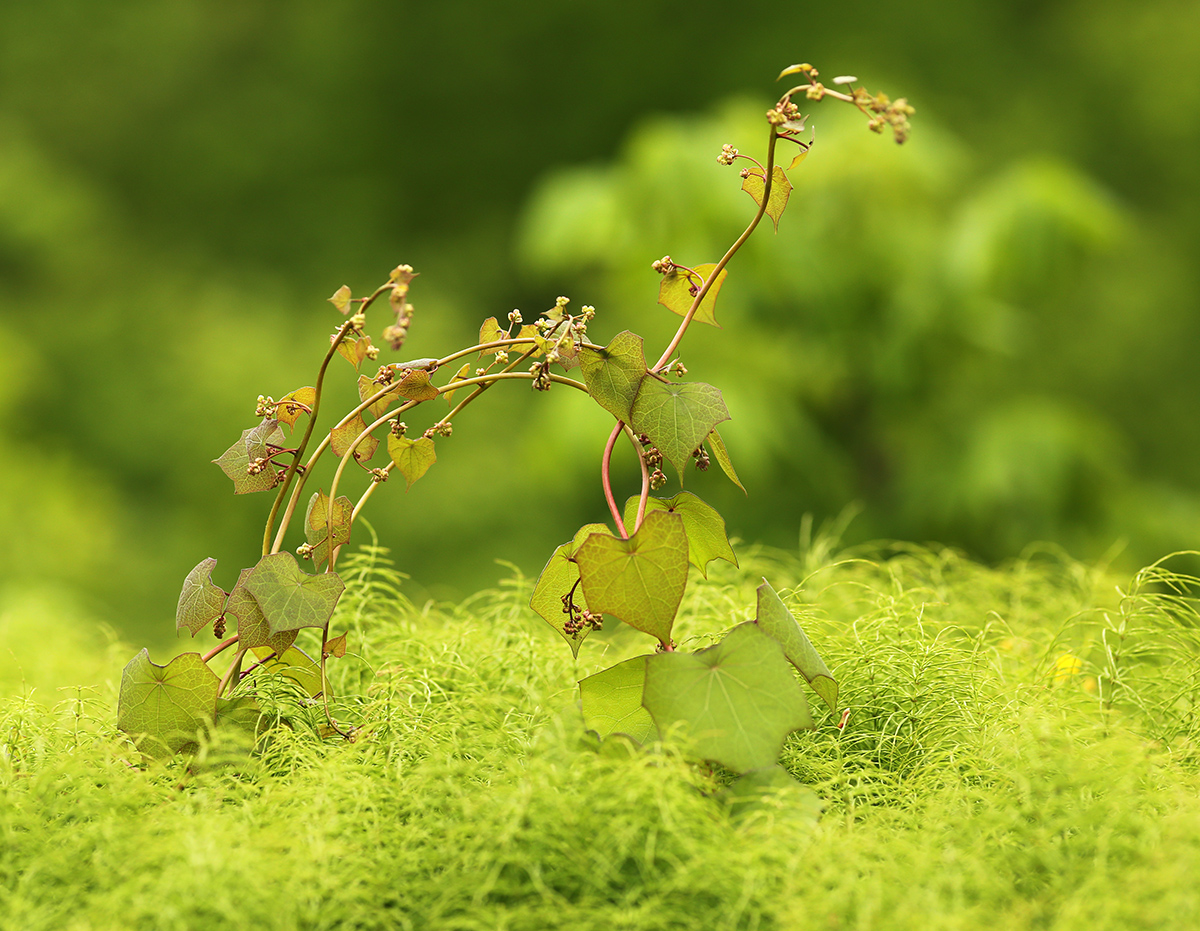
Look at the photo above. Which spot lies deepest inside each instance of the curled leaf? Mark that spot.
(317, 522)
(295, 403)
(341, 299)
(678, 290)
(721, 454)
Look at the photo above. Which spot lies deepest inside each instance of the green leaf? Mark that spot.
(412, 457)
(291, 598)
(252, 445)
(252, 627)
(201, 601)
(733, 703)
(241, 712)
(721, 454)
(613, 374)
(612, 701)
(781, 187)
(353, 350)
(779, 623)
(342, 436)
(164, 707)
(640, 580)
(677, 416)
(556, 581)
(771, 788)
(801, 156)
(705, 527)
(341, 299)
(368, 388)
(676, 293)
(294, 665)
(489, 333)
(316, 525)
(415, 386)
(295, 403)
(464, 372)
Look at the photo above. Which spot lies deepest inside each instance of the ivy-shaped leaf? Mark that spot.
(317, 523)
(201, 601)
(236, 460)
(252, 627)
(612, 701)
(721, 454)
(640, 580)
(733, 703)
(780, 624)
(343, 435)
(164, 707)
(490, 332)
(464, 372)
(613, 374)
(678, 290)
(677, 416)
(781, 188)
(341, 299)
(529, 331)
(412, 457)
(289, 597)
(705, 527)
(294, 665)
(368, 388)
(558, 578)
(415, 386)
(295, 403)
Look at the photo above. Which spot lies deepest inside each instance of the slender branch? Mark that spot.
(645, 493)
(606, 479)
(219, 648)
(232, 672)
(324, 679)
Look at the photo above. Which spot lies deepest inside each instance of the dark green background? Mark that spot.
(985, 338)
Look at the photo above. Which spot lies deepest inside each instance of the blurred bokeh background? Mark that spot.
(985, 337)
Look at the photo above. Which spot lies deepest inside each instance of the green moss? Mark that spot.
(981, 780)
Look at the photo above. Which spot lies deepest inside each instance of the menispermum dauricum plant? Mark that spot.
(732, 703)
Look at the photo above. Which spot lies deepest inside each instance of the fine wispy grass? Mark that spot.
(1021, 752)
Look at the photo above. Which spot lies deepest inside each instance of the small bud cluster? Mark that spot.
(701, 457)
(444, 428)
(256, 466)
(219, 627)
(396, 333)
(663, 266)
(266, 407)
(502, 357)
(541, 372)
(514, 316)
(379, 475)
(677, 368)
(578, 619)
(658, 478)
(654, 457)
(372, 352)
(304, 550)
(893, 113)
(399, 428)
(728, 154)
(385, 376)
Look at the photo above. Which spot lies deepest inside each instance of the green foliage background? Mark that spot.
(985, 337)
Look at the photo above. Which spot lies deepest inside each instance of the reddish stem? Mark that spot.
(605, 478)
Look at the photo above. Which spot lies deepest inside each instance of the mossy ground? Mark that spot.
(1021, 752)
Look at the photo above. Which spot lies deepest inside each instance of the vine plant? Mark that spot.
(732, 703)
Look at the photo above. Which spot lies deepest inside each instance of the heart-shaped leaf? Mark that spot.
(353, 350)
(317, 525)
(343, 435)
(678, 289)
(781, 188)
(733, 703)
(368, 388)
(705, 527)
(640, 580)
(201, 601)
(677, 416)
(294, 403)
(414, 385)
(721, 454)
(780, 624)
(341, 299)
(164, 707)
(613, 374)
(289, 597)
(412, 457)
(252, 627)
(490, 332)
(612, 701)
(253, 444)
(558, 580)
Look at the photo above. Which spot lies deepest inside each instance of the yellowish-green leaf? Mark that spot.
(557, 580)
(336, 646)
(721, 454)
(640, 580)
(780, 624)
(678, 289)
(353, 350)
(368, 388)
(464, 372)
(490, 332)
(294, 665)
(412, 457)
(317, 525)
(252, 628)
(677, 416)
(201, 601)
(165, 708)
(614, 373)
(781, 188)
(295, 403)
(341, 299)
(612, 701)
(801, 156)
(705, 527)
(289, 597)
(254, 443)
(342, 436)
(415, 386)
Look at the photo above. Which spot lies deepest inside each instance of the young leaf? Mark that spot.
(295, 403)
(316, 525)
(640, 580)
(336, 646)
(557, 579)
(489, 333)
(236, 460)
(415, 386)
(677, 416)
(464, 372)
(163, 707)
(289, 597)
(201, 601)
(705, 527)
(613, 374)
(675, 293)
(292, 664)
(412, 457)
(800, 156)
(734, 702)
(341, 299)
(368, 388)
(780, 624)
(781, 187)
(341, 437)
(252, 628)
(721, 454)
(353, 350)
(612, 701)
